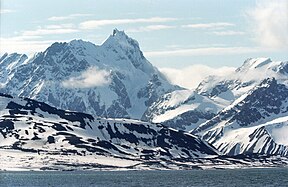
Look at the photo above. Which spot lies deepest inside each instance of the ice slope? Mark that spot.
(65, 75)
(182, 109)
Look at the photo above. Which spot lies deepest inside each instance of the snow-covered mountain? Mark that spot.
(255, 123)
(241, 113)
(187, 109)
(111, 80)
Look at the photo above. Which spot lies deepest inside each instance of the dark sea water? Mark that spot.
(237, 177)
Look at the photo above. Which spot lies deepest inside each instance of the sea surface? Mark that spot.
(236, 177)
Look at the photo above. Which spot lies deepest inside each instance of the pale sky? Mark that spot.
(172, 34)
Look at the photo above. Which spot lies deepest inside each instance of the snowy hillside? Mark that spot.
(110, 80)
(35, 127)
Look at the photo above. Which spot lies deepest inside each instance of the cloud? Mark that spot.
(150, 28)
(51, 29)
(190, 77)
(93, 24)
(46, 31)
(228, 33)
(5, 11)
(269, 23)
(24, 44)
(60, 26)
(69, 17)
(31, 41)
(90, 78)
(216, 25)
(204, 51)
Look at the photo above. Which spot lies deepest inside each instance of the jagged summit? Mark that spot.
(118, 41)
(121, 39)
(116, 32)
(13, 56)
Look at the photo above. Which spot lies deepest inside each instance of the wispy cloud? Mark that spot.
(228, 33)
(90, 78)
(92, 24)
(69, 17)
(216, 25)
(5, 11)
(24, 44)
(46, 31)
(60, 26)
(204, 51)
(31, 41)
(269, 22)
(190, 77)
(150, 28)
(51, 29)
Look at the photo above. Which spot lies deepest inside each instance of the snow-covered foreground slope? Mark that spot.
(39, 129)
(110, 80)
(256, 123)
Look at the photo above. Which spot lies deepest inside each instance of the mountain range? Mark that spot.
(109, 102)
(64, 76)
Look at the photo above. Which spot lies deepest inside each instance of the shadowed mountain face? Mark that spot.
(112, 80)
(32, 126)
